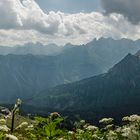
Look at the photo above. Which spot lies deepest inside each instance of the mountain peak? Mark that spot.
(138, 53)
(129, 59)
(128, 67)
(116, 90)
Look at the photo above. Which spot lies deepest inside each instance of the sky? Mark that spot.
(67, 21)
(70, 6)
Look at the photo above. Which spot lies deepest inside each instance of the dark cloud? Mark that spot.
(128, 8)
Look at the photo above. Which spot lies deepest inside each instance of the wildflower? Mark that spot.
(110, 126)
(11, 137)
(22, 125)
(106, 120)
(91, 128)
(80, 131)
(19, 102)
(126, 131)
(132, 118)
(118, 129)
(131, 132)
(71, 132)
(55, 115)
(4, 128)
(80, 124)
(112, 135)
(82, 121)
(31, 126)
(126, 118)
(86, 125)
(2, 121)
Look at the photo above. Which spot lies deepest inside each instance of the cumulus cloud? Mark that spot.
(128, 8)
(26, 14)
(24, 21)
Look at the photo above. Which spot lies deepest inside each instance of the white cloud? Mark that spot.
(23, 21)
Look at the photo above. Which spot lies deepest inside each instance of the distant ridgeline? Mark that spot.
(114, 94)
(30, 76)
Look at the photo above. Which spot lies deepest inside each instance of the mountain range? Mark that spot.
(114, 93)
(32, 48)
(26, 75)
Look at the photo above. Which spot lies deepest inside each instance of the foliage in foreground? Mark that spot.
(52, 128)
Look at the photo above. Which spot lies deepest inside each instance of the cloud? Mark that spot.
(128, 8)
(23, 21)
(26, 14)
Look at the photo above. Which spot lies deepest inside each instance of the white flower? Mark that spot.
(135, 118)
(19, 102)
(126, 118)
(11, 137)
(4, 128)
(110, 126)
(71, 132)
(132, 118)
(91, 128)
(130, 132)
(80, 131)
(126, 131)
(106, 120)
(22, 125)
(118, 129)
(112, 135)
(31, 126)
(86, 125)
(82, 121)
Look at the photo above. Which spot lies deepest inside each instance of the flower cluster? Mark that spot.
(51, 128)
